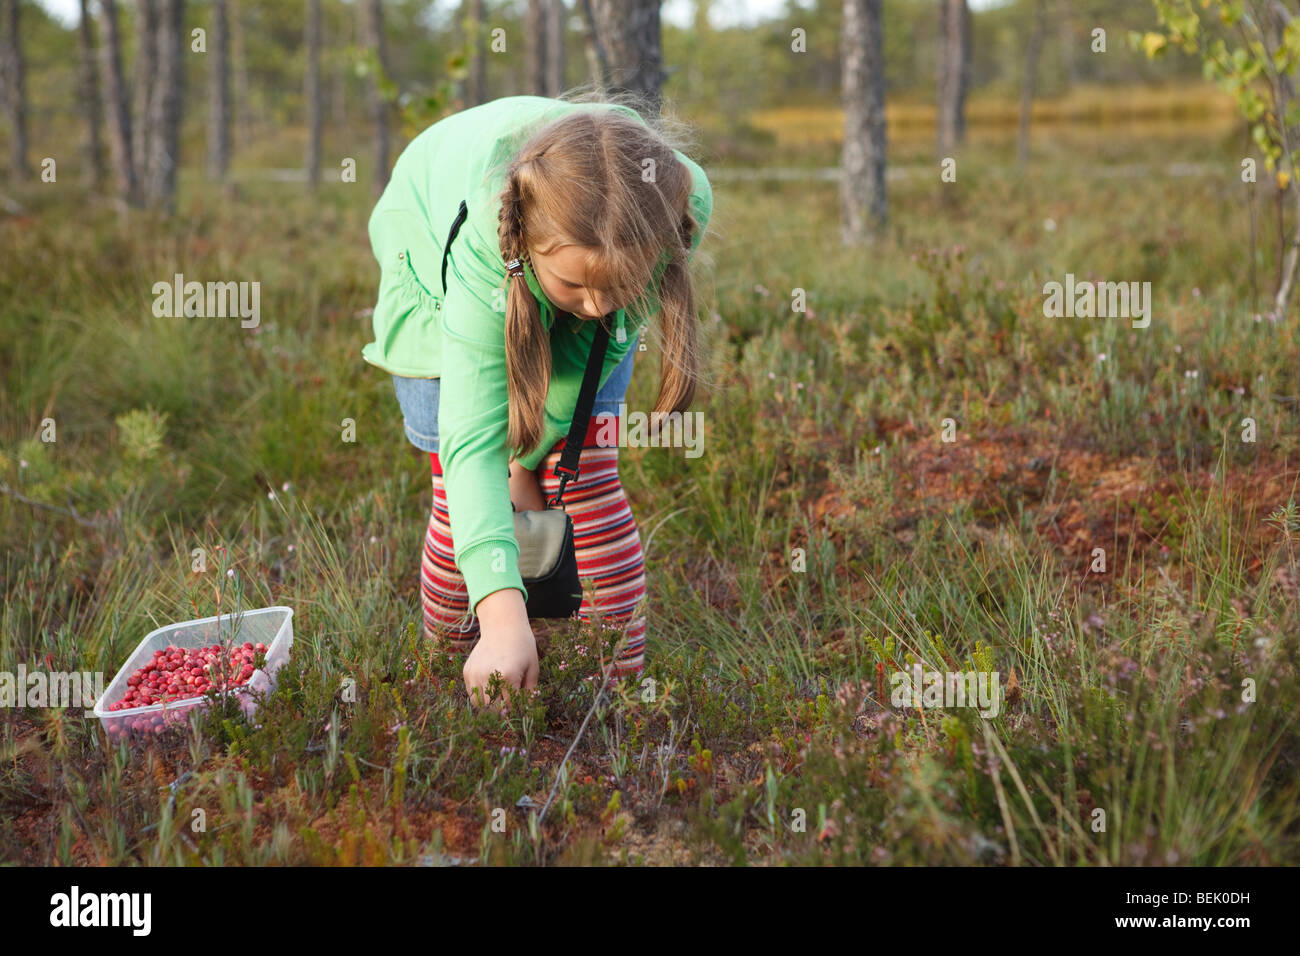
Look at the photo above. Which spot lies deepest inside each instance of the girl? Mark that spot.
(604, 214)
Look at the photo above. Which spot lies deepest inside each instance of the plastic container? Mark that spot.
(272, 626)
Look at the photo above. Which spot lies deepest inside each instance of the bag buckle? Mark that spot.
(566, 475)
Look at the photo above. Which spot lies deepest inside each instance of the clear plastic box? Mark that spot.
(272, 626)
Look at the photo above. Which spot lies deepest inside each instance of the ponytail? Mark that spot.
(528, 347)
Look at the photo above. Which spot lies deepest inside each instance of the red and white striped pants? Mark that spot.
(606, 539)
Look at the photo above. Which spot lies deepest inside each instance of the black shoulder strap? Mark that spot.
(461, 216)
(567, 467)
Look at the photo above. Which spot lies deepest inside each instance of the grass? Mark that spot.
(827, 539)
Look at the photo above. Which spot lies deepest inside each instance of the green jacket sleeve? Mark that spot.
(473, 420)
(569, 350)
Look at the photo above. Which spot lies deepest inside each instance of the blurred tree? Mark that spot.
(119, 117)
(166, 105)
(146, 65)
(629, 32)
(865, 210)
(1032, 49)
(311, 91)
(1067, 45)
(346, 34)
(219, 93)
(954, 73)
(535, 46)
(373, 36)
(239, 113)
(88, 81)
(556, 19)
(476, 30)
(14, 71)
(593, 47)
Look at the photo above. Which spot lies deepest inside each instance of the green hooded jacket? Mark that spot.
(462, 340)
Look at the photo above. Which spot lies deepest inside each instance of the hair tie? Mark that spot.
(515, 267)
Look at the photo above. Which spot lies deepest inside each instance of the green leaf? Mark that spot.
(1292, 113)
(1153, 44)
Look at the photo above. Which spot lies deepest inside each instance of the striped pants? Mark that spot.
(606, 540)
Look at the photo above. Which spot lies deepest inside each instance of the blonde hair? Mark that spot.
(580, 180)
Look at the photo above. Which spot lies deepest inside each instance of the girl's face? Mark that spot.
(562, 274)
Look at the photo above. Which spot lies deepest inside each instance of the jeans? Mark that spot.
(418, 399)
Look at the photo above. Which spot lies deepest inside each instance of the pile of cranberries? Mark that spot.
(176, 673)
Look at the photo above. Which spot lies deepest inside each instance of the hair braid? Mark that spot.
(528, 346)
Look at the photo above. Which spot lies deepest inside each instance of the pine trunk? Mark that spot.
(954, 73)
(312, 92)
(1031, 77)
(593, 48)
(478, 46)
(535, 46)
(146, 67)
(556, 16)
(15, 87)
(90, 99)
(863, 198)
(241, 112)
(166, 102)
(374, 38)
(119, 117)
(219, 93)
(630, 33)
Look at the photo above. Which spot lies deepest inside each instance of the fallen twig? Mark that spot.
(67, 512)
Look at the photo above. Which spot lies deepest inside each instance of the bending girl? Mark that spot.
(605, 214)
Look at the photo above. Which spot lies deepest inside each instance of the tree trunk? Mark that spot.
(15, 86)
(119, 117)
(241, 113)
(954, 73)
(535, 46)
(90, 101)
(339, 99)
(700, 17)
(373, 29)
(219, 93)
(629, 31)
(593, 48)
(477, 92)
(347, 38)
(865, 208)
(169, 92)
(312, 93)
(1031, 75)
(556, 17)
(146, 68)
(1069, 59)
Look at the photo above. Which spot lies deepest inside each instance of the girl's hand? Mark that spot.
(506, 646)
